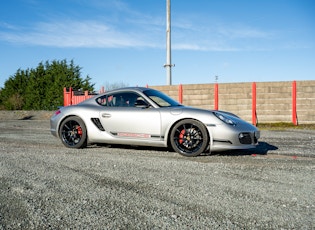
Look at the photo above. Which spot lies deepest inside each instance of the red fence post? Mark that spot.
(180, 93)
(216, 96)
(254, 113)
(67, 96)
(73, 98)
(86, 94)
(294, 113)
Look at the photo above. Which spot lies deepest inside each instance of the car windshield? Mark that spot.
(160, 98)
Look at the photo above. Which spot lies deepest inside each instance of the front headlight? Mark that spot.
(224, 118)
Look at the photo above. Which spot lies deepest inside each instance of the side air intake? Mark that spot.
(97, 123)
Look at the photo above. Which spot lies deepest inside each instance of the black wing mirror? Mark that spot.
(141, 104)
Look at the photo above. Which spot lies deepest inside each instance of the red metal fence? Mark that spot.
(71, 98)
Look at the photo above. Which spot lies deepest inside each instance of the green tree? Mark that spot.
(42, 88)
(14, 88)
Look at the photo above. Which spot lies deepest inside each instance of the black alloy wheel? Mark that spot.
(73, 133)
(189, 138)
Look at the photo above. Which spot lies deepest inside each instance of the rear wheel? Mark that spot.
(189, 138)
(73, 133)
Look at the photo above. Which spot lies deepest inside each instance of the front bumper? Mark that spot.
(233, 139)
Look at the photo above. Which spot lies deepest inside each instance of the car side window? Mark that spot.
(105, 100)
(101, 100)
(126, 99)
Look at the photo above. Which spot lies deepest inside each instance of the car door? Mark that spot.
(124, 119)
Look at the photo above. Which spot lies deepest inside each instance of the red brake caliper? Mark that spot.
(181, 136)
(79, 130)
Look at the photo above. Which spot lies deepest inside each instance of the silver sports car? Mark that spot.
(147, 117)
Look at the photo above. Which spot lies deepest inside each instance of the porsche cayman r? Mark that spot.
(147, 117)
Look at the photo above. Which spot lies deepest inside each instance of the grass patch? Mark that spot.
(284, 126)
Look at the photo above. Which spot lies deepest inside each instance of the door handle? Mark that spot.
(106, 115)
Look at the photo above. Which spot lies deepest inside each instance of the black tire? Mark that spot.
(72, 133)
(189, 138)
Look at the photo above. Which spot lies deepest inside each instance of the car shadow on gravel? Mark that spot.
(261, 149)
(132, 147)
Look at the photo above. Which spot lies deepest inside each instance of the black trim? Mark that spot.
(223, 141)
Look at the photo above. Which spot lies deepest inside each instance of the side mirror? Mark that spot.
(141, 104)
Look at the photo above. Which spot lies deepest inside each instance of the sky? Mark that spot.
(124, 41)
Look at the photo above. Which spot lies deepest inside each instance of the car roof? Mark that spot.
(136, 88)
(126, 89)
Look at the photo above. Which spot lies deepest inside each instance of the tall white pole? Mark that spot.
(168, 64)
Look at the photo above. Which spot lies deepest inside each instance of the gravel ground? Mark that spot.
(47, 186)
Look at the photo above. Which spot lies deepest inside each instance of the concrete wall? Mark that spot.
(306, 101)
(273, 99)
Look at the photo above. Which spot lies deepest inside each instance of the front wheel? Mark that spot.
(189, 138)
(73, 133)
